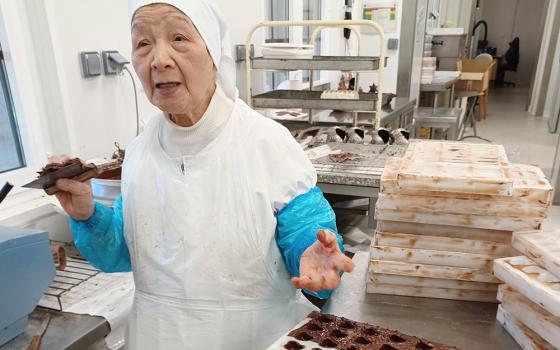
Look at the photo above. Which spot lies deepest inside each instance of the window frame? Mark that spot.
(20, 66)
(12, 117)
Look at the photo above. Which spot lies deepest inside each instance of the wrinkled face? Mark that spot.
(171, 59)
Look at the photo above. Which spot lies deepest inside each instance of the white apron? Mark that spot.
(207, 269)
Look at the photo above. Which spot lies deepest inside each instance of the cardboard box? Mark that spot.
(475, 75)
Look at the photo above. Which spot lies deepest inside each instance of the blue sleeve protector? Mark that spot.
(297, 226)
(100, 239)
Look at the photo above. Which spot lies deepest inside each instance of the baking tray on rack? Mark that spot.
(312, 100)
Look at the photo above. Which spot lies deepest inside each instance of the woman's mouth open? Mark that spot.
(167, 89)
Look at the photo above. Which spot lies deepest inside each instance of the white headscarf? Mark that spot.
(209, 22)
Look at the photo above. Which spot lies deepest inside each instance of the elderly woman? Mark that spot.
(219, 205)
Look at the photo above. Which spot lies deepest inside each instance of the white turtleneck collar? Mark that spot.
(178, 141)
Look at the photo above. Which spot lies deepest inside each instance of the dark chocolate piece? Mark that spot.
(113, 169)
(388, 347)
(362, 340)
(423, 346)
(111, 174)
(338, 334)
(52, 167)
(71, 169)
(396, 339)
(303, 336)
(341, 333)
(343, 157)
(119, 154)
(293, 345)
(328, 343)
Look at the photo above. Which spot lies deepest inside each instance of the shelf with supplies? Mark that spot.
(311, 99)
(396, 113)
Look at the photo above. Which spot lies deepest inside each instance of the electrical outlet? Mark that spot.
(108, 68)
(90, 63)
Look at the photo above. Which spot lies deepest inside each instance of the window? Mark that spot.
(312, 11)
(279, 10)
(282, 10)
(11, 149)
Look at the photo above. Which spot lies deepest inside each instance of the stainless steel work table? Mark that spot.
(467, 325)
(359, 178)
(66, 331)
(441, 84)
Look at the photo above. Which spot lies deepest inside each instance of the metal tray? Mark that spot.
(312, 100)
(344, 63)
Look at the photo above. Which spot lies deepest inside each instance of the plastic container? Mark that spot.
(105, 191)
(287, 51)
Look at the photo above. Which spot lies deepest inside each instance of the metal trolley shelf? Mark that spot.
(368, 102)
(344, 63)
(312, 100)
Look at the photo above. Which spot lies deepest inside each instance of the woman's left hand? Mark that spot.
(321, 263)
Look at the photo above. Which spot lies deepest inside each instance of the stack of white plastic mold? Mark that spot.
(530, 299)
(428, 45)
(445, 212)
(428, 70)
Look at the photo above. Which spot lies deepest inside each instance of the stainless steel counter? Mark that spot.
(439, 84)
(66, 331)
(359, 178)
(467, 325)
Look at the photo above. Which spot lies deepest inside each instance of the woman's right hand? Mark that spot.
(75, 197)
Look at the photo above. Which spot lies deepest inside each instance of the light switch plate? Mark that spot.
(393, 44)
(90, 63)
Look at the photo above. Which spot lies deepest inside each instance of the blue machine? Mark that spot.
(26, 271)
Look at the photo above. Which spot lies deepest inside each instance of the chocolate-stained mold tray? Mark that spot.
(531, 280)
(456, 167)
(526, 338)
(533, 316)
(541, 246)
(432, 257)
(431, 271)
(503, 223)
(530, 187)
(447, 244)
(323, 331)
(445, 231)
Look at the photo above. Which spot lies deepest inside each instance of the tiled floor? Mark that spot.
(508, 122)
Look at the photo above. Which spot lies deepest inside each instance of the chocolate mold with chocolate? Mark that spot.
(324, 331)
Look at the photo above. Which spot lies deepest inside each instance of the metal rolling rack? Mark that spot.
(368, 102)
